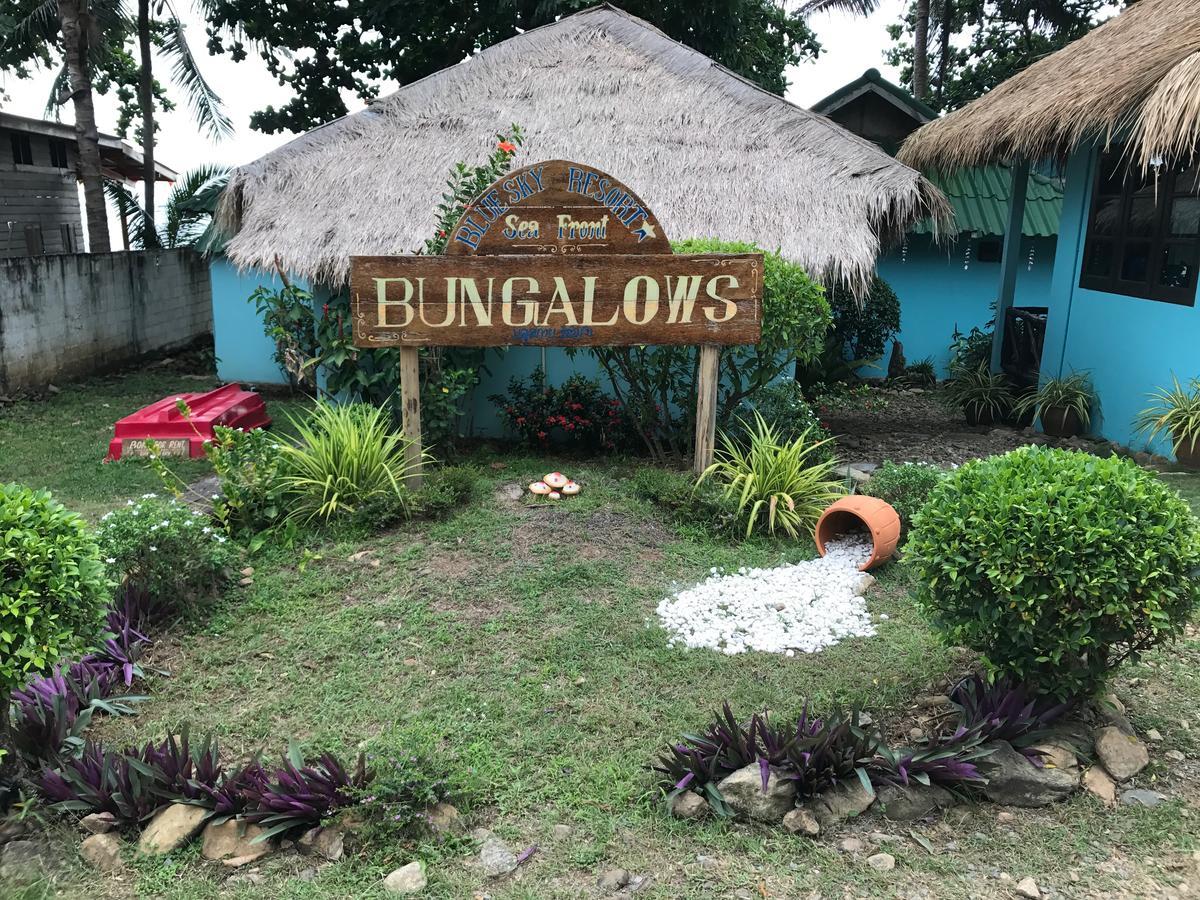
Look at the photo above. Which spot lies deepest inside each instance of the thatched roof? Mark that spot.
(1135, 77)
(712, 153)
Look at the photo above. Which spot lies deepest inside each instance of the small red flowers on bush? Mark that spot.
(543, 414)
(507, 146)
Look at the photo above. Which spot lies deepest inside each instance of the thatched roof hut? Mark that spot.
(1134, 78)
(712, 153)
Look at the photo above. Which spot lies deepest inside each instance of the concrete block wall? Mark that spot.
(71, 315)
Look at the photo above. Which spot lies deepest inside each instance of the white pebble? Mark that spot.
(804, 607)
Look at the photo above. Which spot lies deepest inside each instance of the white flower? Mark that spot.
(153, 549)
(149, 496)
(220, 540)
(104, 518)
(111, 561)
(129, 503)
(206, 530)
(164, 524)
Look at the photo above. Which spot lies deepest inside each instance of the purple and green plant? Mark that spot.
(299, 795)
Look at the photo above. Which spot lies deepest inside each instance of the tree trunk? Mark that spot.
(146, 100)
(921, 51)
(943, 51)
(73, 20)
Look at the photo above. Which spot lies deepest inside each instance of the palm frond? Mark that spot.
(39, 27)
(141, 235)
(854, 7)
(60, 91)
(191, 203)
(206, 106)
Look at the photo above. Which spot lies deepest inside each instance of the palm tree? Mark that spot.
(188, 213)
(920, 78)
(205, 104)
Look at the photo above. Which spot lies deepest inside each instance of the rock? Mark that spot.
(561, 832)
(1154, 736)
(931, 701)
(98, 823)
(328, 842)
(840, 803)
(1027, 887)
(743, 793)
(253, 878)
(1014, 781)
(850, 845)
(1097, 783)
(1123, 755)
(1005, 818)
(1056, 756)
(1142, 797)
(408, 879)
(707, 862)
(882, 862)
(1175, 755)
(916, 734)
(171, 828)
(865, 582)
(443, 817)
(21, 860)
(613, 879)
(1112, 710)
(233, 840)
(801, 821)
(689, 805)
(245, 582)
(916, 801)
(848, 473)
(496, 858)
(103, 852)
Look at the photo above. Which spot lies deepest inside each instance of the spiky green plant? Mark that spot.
(1073, 393)
(779, 484)
(980, 391)
(342, 455)
(1175, 412)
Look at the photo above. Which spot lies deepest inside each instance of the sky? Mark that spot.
(851, 46)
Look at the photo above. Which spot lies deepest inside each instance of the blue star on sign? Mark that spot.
(645, 230)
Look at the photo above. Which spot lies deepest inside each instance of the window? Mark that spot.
(68, 237)
(33, 241)
(58, 153)
(1143, 236)
(22, 151)
(990, 249)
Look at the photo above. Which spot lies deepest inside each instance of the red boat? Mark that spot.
(177, 435)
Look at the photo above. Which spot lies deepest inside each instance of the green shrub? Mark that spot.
(700, 507)
(443, 489)
(906, 486)
(776, 484)
(1056, 565)
(783, 406)
(248, 465)
(343, 455)
(575, 414)
(166, 549)
(53, 590)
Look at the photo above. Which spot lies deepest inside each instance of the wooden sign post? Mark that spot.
(558, 254)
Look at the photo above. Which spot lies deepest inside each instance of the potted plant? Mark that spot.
(1063, 404)
(1176, 412)
(983, 396)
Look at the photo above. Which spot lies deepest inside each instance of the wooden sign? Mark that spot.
(556, 301)
(557, 254)
(557, 207)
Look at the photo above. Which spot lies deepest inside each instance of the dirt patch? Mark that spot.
(599, 534)
(917, 426)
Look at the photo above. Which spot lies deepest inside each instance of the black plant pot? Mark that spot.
(979, 414)
(1061, 422)
(1187, 454)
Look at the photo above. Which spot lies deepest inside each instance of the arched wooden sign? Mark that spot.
(557, 207)
(558, 254)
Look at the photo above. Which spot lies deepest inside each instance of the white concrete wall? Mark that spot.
(71, 315)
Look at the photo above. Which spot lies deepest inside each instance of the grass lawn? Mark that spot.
(518, 645)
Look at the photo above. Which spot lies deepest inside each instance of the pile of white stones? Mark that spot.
(803, 608)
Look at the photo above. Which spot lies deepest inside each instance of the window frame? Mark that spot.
(59, 146)
(1159, 238)
(22, 149)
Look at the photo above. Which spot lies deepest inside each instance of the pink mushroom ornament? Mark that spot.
(539, 487)
(556, 480)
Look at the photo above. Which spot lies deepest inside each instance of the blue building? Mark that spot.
(1122, 296)
(944, 284)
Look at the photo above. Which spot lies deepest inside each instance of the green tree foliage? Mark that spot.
(187, 218)
(325, 51)
(976, 44)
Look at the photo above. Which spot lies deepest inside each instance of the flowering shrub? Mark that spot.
(576, 414)
(166, 549)
(396, 802)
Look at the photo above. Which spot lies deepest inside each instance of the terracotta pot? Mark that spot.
(1186, 454)
(857, 512)
(1061, 422)
(979, 415)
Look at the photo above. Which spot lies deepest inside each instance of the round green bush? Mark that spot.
(53, 588)
(783, 405)
(1056, 565)
(905, 486)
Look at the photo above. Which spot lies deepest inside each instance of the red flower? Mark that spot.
(520, 420)
(325, 309)
(442, 233)
(541, 435)
(507, 147)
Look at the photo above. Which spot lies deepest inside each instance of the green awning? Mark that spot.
(980, 197)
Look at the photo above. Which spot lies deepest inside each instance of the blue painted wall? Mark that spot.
(244, 352)
(1129, 345)
(937, 293)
